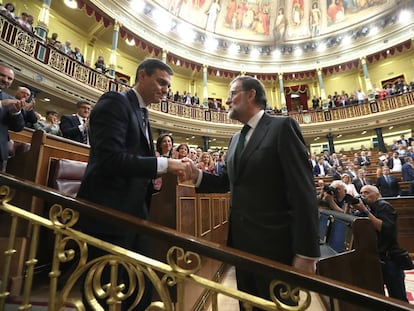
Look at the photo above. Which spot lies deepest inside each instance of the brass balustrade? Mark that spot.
(183, 261)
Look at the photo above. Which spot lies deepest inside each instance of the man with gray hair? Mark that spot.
(384, 218)
(335, 195)
(11, 117)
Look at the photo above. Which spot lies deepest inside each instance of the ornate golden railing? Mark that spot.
(183, 261)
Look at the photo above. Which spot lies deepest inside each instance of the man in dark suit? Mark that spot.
(321, 169)
(363, 160)
(122, 163)
(273, 209)
(388, 184)
(76, 126)
(361, 180)
(11, 117)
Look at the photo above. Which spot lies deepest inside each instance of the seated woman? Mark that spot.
(50, 125)
(350, 187)
(164, 145)
(182, 151)
(206, 163)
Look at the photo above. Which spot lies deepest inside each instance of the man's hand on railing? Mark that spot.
(304, 263)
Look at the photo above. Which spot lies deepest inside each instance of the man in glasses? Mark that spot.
(273, 209)
(76, 126)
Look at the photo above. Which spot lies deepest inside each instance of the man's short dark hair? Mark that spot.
(249, 83)
(82, 102)
(48, 112)
(149, 65)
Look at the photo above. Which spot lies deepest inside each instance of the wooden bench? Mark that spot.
(349, 254)
(404, 207)
(60, 164)
(33, 165)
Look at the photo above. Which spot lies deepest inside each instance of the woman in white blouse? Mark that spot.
(350, 187)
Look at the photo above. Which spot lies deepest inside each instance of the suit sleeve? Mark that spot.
(30, 116)
(300, 189)
(119, 146)
(68, 128)
(15, 122)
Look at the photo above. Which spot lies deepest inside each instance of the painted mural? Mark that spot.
(277, 21)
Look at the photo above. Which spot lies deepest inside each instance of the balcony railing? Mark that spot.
(183, 260)
(31, 45)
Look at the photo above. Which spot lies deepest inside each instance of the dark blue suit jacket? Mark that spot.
(122, 163)
(69, 125)
(273, 199)
(388, 190)
(8, 122)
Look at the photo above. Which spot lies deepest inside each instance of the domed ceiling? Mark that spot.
(263, 36)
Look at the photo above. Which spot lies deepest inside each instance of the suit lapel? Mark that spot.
(230, 155)
(256, 139)
(133, 101)
(253, 143)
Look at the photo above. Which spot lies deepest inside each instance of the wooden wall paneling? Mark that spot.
(187, 215)
(205, 215)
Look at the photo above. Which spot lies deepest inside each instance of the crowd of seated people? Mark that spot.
(210, 161)
(351, 171)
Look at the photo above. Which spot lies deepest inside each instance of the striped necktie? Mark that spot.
(85, 133)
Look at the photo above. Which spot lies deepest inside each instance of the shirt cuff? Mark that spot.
(162, 165)
(199, 179)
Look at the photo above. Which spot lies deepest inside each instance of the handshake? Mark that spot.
(184, 168)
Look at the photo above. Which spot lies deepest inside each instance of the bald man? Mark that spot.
(10, 112)
(29, 115)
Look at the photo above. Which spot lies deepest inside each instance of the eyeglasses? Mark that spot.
(233, 93)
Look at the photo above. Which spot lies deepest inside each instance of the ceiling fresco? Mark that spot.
(275, 21)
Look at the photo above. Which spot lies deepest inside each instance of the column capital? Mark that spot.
(319, 71)
(363, 60)
(280, 74)
(117, 25)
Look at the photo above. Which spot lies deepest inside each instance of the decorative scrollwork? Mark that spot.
(63, 217)
(81, 73)
(6, 194)
(281, 291)
(183, 262)
(26, 43)
(66, 251)
(57, 60)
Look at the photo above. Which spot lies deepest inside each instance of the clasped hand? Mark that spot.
(16, 104)
(184, 168)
